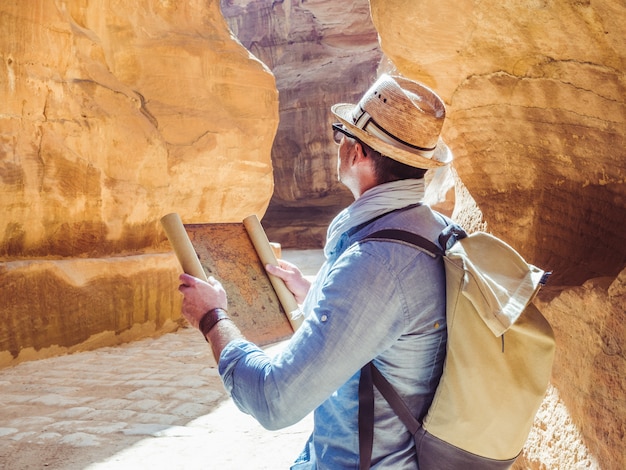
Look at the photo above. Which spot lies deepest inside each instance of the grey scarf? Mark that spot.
(372, 203)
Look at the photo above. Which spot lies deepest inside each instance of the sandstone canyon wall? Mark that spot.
(535, 95)
(322, 52)
(536, 118)
(111, 117)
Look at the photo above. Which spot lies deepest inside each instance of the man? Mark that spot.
(380, 301)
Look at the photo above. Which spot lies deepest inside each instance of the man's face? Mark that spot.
(344, 147)
(344, 161)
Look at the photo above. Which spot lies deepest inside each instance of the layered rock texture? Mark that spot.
(582, 422)
(321, 53)
(535, 94)
(112, 115)
(536, 114)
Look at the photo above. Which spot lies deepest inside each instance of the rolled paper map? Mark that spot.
(185, 252)
(266, 255)
(188, 259)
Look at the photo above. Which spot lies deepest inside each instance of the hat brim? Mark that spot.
(441, 156)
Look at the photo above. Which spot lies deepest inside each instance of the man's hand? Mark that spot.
(200, 297)
(292, 277)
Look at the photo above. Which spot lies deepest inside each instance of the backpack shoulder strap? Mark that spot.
(396, 402)
(407, 237)
(447, 238)
(371, 376)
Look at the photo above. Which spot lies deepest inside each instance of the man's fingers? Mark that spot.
(187, 279)
(190, 281)
(277, 271)
(286, 265)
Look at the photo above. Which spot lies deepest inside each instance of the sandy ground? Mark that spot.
(156, 403)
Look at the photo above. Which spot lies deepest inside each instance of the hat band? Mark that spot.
(365, 122)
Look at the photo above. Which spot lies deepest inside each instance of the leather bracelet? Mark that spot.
(210, 319)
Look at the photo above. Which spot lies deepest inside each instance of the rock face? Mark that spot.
(107, 116)
(52, 307)
(112, 115)
(110, 118)
(536, 113)
(536, 118)
(322, 52)
(582, 422)
(535, 96)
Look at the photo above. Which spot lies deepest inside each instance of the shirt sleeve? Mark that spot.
(358, 310)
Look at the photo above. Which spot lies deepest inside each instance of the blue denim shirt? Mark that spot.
(376, 300)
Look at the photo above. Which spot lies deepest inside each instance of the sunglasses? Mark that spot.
(339, 131)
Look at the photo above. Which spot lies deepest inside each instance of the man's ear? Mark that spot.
(359, 152)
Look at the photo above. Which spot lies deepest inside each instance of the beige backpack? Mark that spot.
(499, 355)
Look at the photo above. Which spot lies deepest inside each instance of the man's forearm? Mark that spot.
(220, 335)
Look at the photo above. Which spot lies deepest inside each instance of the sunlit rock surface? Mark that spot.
(322, 52)
(111, 116)
(582, 423)
(536, 118)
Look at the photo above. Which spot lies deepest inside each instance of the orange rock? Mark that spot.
(112, 118)
(536, 117)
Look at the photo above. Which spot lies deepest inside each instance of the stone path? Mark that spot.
(155, 403)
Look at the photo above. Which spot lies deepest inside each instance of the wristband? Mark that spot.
(210, 319)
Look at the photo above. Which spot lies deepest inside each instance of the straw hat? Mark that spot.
(400, 118)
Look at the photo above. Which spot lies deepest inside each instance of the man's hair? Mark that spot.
(387, 169)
